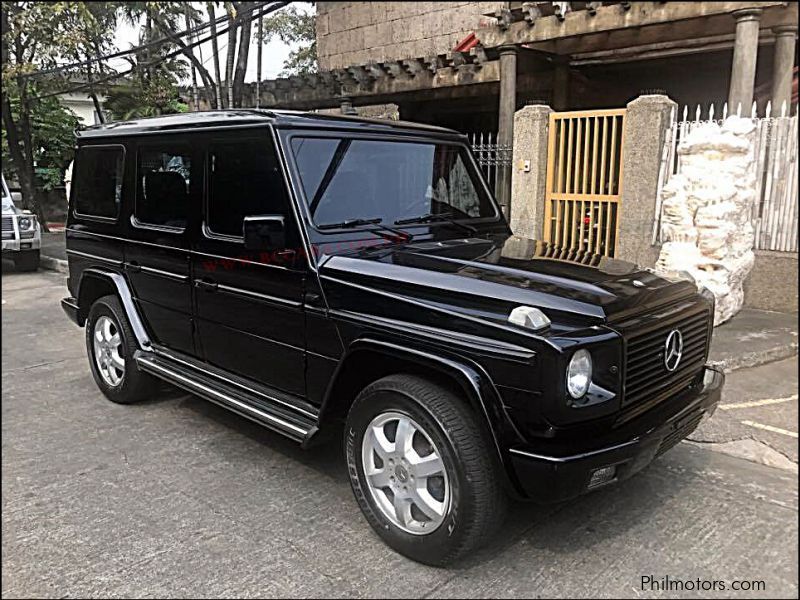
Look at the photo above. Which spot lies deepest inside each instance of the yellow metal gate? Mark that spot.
(584, 171)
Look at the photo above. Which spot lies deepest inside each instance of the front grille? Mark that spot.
(681, 433)
(8, 228)
(647, 379)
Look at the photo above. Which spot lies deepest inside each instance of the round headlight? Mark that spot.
(25, 223)
(579, 373)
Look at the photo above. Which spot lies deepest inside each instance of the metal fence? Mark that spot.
(775, 212)
(491, 157)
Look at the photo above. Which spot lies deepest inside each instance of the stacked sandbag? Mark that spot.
(706, 211)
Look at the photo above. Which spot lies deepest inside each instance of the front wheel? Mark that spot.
(422, 469)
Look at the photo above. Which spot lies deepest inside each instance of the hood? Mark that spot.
(488, 277)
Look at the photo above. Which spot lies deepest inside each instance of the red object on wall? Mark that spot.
(467, 43)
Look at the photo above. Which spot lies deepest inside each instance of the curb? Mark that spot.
(756, 359)
(53, 264)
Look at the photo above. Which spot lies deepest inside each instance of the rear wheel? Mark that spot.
(110, 344)
(422, 469)
(27, 260)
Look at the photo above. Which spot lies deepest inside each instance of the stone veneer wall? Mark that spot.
(707, 212)
(354, 33)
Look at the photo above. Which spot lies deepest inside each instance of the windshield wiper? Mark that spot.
(436, 217)
(352, 223)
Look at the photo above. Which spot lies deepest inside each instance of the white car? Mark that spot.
(22, 235)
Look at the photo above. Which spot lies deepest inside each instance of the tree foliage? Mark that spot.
(53, 136)
(295, 27)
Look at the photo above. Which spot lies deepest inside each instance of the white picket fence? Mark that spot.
(775, 213)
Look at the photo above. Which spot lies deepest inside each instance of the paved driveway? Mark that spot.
(176, 497)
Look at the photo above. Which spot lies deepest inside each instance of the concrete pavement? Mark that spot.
(177, 497)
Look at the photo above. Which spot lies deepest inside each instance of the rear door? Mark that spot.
(249, 304)
(168, 191)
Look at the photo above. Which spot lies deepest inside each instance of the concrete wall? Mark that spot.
(772, 284)
(82, 106)
(352, 33)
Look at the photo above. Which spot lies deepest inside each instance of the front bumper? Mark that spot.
(556, 476)
(70, 307)
(22, 245)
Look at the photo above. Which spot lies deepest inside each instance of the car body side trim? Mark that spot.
(216, 374)
(439, 309)
(128, 304)
(258, 296)
(160, 273)
(566, 459)
(438, 334)
(224, 400)
(110, 261)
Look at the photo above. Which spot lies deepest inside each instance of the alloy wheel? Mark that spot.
(108, 351)
(405, 474)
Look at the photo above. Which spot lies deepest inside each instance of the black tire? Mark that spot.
(477, 496)
(27, 260)
(134, 385)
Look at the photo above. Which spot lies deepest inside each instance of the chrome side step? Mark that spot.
(294, 425)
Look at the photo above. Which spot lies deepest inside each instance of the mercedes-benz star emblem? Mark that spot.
(673, 350)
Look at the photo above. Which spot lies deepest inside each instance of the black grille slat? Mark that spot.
(658, 368)
(8, 228)
(656, 336)
(647, 380)
(657, 381)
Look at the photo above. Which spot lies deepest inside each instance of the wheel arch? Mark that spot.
(367, 360)
(96, 283)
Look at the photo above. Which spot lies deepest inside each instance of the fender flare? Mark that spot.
(473, 379)
(126, 298)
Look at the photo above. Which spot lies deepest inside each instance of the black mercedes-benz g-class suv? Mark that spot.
(306, 271)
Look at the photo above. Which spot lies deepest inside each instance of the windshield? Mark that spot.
(345, 179)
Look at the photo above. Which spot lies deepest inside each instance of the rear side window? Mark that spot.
(97, 182)
(244, 180)
(162, 187)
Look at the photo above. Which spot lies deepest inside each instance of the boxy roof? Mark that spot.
(245, 117)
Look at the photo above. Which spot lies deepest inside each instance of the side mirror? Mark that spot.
(264, 232)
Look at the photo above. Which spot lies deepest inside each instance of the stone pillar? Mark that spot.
(529, 166)
(561, 86)
(745, 51)
(782, 67)
(505, 130)
(646, 123)
(346, 106)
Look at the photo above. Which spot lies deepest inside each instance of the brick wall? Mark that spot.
(353, 33)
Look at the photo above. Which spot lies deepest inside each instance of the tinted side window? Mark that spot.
(244, 180)
(162, 191)
(98, 181)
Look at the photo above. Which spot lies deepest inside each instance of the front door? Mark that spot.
(248, 304)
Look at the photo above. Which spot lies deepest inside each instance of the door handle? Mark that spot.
(134, 267)
(206, 284)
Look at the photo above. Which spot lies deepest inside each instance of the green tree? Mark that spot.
(53, 140)
(36, 36)
(294, 26)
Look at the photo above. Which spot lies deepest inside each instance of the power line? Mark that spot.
(157, 42)
(244, 16)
